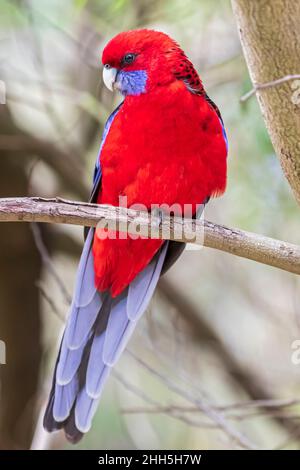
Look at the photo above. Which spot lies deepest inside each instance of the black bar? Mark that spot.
(134, 458)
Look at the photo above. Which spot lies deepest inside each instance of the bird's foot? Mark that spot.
(158, 216)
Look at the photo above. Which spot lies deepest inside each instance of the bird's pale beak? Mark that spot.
(109, 76)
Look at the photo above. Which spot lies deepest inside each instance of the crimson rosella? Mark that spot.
(164, 144)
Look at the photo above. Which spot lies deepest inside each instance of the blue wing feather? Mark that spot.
(97, 170)
(224, 133)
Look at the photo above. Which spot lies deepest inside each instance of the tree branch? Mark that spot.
(271, 45)
(249, 245)
(263, 86)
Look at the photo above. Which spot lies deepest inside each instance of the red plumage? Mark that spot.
(164, 146)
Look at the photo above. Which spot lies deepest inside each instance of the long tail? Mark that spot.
(97, 331)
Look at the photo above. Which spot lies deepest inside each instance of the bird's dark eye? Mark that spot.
(128, 58)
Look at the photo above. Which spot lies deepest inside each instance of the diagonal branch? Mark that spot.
(249, 245)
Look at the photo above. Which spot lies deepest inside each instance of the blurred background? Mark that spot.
(211, 359)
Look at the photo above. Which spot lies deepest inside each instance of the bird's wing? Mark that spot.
(97, 170)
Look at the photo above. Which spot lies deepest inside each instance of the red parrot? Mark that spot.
(164, 144)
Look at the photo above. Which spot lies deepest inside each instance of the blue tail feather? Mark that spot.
(142, 287)
(97, 332)
(65, 397)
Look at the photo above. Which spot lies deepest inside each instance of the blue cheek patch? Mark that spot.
(132, 83)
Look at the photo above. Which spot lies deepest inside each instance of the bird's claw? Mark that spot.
(158, 216)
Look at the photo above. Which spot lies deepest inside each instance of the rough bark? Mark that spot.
(270, 36)
(249, 245)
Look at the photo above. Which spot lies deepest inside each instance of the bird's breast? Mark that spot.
(163, 150)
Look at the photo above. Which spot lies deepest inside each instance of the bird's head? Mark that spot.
(139, 61)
